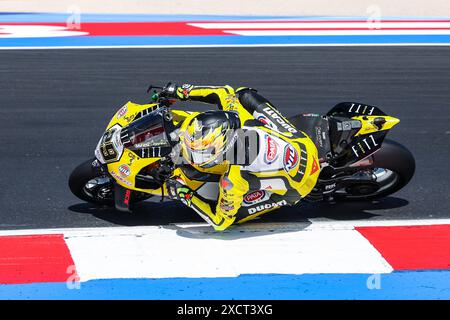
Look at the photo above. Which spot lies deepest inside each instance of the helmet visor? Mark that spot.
(200, 157)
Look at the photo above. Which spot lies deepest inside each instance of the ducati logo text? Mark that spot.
(267, 206)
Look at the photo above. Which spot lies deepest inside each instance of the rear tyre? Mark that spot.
(393, 165)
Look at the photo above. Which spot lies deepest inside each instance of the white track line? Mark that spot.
(336, 32)
(320, 25)
(249, 227)
(233, 46)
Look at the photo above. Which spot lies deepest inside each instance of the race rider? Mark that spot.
(272, 163)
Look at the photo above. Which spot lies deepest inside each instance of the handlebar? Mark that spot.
(159, 95)
(151, 87)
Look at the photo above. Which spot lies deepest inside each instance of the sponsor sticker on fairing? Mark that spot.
(271, 150)
(264, 119)
(290, 158)
(254, 197)
(315, 166)
(124, 170)
(118, 177)
(123, 111)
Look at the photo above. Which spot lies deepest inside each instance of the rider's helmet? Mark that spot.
(208, 136)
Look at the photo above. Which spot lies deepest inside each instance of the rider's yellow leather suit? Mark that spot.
(284, 169)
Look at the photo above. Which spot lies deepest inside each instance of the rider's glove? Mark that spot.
(172, 90)
(177, 190)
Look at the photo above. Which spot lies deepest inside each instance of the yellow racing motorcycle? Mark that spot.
(134, 156)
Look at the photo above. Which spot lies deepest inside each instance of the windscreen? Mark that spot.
(149, 131)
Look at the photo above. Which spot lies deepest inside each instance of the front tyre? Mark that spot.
(89, 183)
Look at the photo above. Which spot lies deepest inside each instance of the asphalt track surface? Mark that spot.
(55, 104)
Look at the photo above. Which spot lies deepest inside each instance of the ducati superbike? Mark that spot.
(133, 158)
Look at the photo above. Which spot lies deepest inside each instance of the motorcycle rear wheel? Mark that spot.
(393, 165)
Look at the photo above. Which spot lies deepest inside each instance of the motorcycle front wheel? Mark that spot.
(89, 183)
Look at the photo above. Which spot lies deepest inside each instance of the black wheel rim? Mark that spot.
(99, 189)
(385, 178)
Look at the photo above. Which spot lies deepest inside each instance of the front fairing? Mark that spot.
(109, 148)
(126, 157)
(125, 160)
